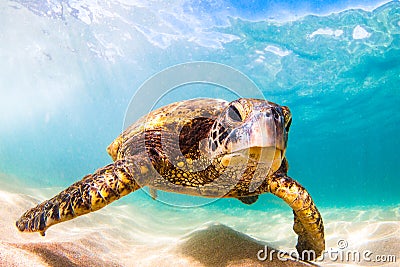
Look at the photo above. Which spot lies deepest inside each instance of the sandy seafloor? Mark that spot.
(151, 234)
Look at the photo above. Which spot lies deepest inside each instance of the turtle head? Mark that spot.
(250, 129)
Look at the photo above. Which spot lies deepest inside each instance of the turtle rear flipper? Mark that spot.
(248, 200)
(91, 193)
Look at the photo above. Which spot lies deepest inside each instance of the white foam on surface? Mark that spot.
(277, 50)
(360, 33)
(327, 32)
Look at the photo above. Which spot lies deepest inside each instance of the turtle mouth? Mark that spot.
(271, 156)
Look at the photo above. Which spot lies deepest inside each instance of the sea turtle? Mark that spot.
(202, 147)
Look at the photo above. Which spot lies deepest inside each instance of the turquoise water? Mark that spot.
(69, 69)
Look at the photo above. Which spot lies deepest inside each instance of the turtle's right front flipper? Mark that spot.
(308, 223)
(91, 193)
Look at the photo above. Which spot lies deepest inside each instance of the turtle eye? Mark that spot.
(234, 114)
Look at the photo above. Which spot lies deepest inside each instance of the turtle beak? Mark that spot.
(268, 131)
(263, 139)
(263, 132)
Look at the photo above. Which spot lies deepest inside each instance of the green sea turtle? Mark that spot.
(202, 147)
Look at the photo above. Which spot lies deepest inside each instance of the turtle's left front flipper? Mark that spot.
(308, 223)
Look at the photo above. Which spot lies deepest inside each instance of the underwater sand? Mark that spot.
(149, 234)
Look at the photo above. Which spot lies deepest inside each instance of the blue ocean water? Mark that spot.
(69, 69)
